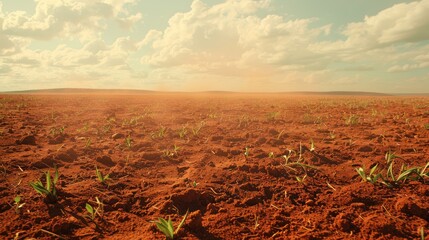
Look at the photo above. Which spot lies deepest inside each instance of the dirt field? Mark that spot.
(245, 166)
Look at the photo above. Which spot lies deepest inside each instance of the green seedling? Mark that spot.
(272, 116)
(271, 155)
(160, 133)
(88, 143)
(371, 177)
(422, 171)
(182, 132)
(128, 141)
(312, 147)
(426, 126)
(106, 128)
(390, 156)
(100, 177)
(171, 153)
(18, 204)
(256, 222)
(49, 191)
(92, 212)
(212, 115)
(351, 120)
(243, 121)
(166, 226)
(288, 156)
(196, 129)
(176, 149)
(194, 184)
(246, 152)
(332, 135)
(84, 128)
(57, 131)
(298, 162)
(414, 173)
(301, 180)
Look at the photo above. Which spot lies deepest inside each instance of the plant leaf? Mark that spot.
(38, 187)
(181, 222)
(89, 208)
(48, 181)
(165, 227)
(56, 175)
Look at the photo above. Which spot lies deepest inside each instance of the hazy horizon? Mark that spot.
(216, 45)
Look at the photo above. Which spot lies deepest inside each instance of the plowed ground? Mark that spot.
(188, 152)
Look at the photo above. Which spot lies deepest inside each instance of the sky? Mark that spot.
(215, 45)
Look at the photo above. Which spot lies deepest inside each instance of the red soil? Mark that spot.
(229, 195)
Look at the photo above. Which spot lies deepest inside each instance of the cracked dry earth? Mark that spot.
(218, 155)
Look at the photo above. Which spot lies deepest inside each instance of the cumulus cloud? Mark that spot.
(94, 54)
(229, 38)
(68, 18)
(401, 23)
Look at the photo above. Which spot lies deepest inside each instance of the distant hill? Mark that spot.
(342, 93)
(81, 90)
(134, 91)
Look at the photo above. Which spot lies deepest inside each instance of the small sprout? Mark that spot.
(182, 132)
(100, 177)
(272, 116)
(312, 147)
(256, 222)
(422, 233)
(271, 155)
(171, 153)
(166, 226)
(88, 143)
(332, 135)
(194, 184)
(351, 120)
(84, 128)
(300, 152)
(18, 204)
(243, 121)
(196, 129)
(246, 152)
(161, 132)
(301, 180)
(371, 177)
(176, 149)
(57, 131)
(91, 212)
(128, 141)
(49, 191)
(390, 157)
(288, 156)
(426, 126)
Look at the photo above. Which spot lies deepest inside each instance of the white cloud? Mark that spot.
(408, 67)
(81, 19)
(229, 39)
(405, 22)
